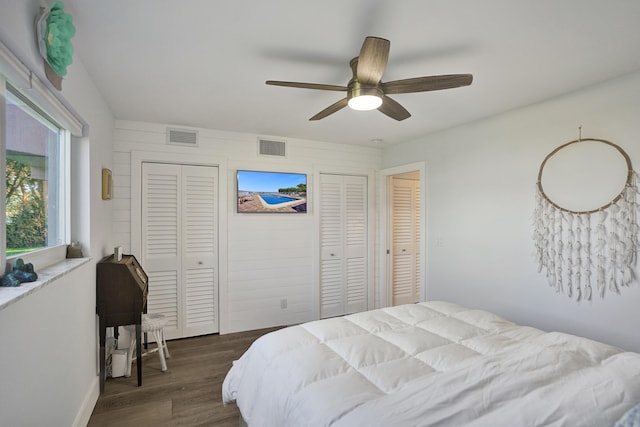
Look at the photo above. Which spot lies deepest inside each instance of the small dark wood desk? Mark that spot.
(121, 298)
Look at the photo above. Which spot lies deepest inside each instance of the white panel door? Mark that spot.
(343, 244)
(405, 195)
(179, 246)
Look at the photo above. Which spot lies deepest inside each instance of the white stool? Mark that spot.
(154, 323)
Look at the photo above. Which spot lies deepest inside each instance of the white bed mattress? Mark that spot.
(430, 364)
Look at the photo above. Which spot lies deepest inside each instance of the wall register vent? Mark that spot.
(182, 137)
(271, 148)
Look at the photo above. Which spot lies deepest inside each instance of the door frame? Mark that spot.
(386, 227)
(140, 157)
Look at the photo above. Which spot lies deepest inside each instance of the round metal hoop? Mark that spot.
(601, 208)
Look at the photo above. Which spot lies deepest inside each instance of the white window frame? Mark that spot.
(3, 164)
(14, 71)
(50, 255)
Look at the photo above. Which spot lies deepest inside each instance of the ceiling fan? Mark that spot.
(367, 91)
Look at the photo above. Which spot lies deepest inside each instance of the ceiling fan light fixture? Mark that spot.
(364, 98)
(365, 102)
(367, 91)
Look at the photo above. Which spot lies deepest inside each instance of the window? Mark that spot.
(36, 159)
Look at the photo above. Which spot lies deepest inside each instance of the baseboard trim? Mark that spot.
(84, 414)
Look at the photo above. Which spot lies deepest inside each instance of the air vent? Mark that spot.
(271, 148)
(182, 137)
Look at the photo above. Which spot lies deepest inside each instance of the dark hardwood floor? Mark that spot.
(189, 393)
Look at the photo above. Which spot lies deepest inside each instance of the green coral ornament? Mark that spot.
(57, 38)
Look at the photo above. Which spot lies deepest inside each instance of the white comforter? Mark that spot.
(430, 364)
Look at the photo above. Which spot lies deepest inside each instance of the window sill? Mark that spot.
(9, 295)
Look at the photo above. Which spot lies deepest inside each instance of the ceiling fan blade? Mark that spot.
(372, 61)
(392, 109)
(423, 84)
(331, 109)
(317, 86)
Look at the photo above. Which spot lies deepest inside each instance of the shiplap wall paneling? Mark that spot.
(121, 201)
(343, 244)
(263, 258)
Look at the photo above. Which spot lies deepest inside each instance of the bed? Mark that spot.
(431, 364)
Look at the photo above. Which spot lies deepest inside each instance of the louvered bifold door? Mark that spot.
(405, 248)
(355, 243)
(179, 246)
(161, 242)
(343, 244)
(332, 301)
(416, 240)
(199, 255)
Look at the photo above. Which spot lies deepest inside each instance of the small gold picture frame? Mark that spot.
(107, 184)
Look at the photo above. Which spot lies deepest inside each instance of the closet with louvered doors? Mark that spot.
(344, 267)
(405, 239)
(180, 244)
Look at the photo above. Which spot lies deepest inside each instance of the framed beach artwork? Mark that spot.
(271, 192)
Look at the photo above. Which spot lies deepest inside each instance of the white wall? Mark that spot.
(480, 199)
(264, 257)
(48, 354)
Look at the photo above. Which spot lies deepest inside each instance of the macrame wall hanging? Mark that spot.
(582, 251)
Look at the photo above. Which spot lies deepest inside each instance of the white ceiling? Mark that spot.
(203, 63)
